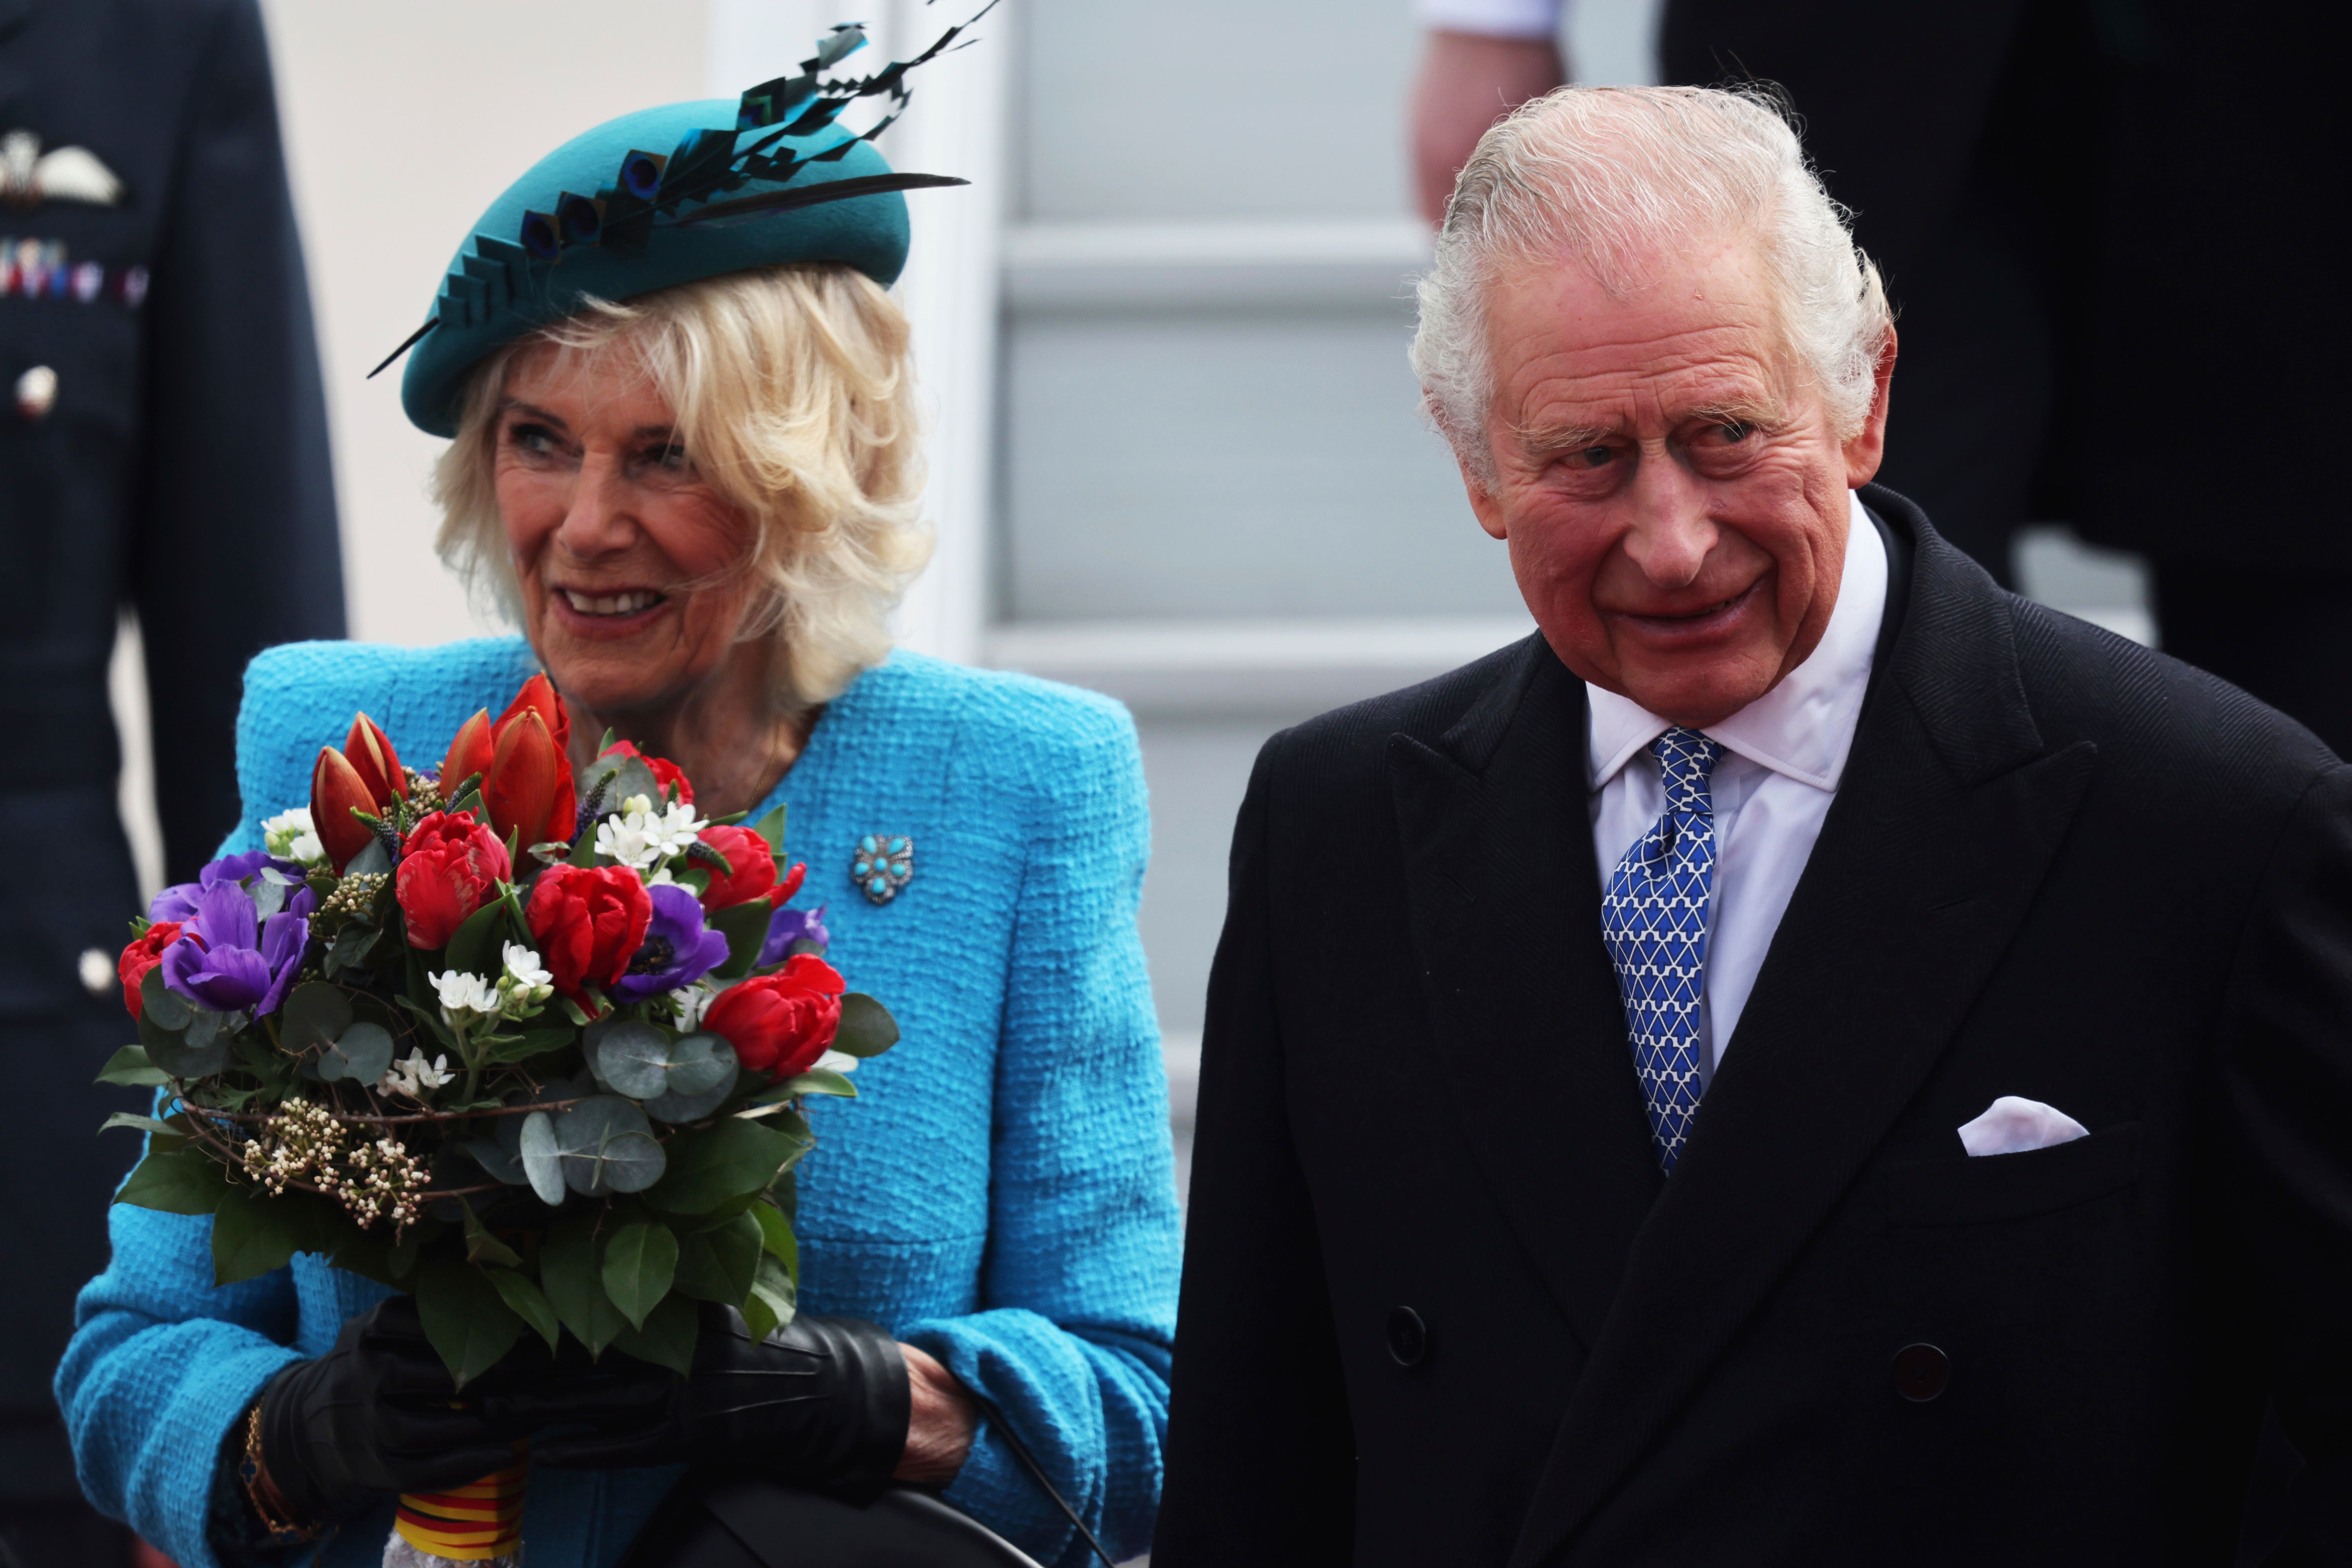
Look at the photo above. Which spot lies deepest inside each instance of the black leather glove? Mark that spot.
(378, 1413)
(822, 1403)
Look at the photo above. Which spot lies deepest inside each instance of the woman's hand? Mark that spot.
(938, 1430)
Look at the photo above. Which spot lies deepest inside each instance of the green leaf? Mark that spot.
(167, 1008)
(466, 1318)
(481, 1246)
(772, 829)
(314, 1017)
(605, 1145)
(529, 1044)
(568, 1273)
(720, 1265)
(431, 1018)
(818, 1080)
(372, 861)
(785, 1193)
(774, 1300)
(179, 1181)
(700, 1071)
(369, 1253)
(477, 946)
(866, 1027)
(640, 1262)
(745, 927)
(542, 1157)
(142, 1123)
(776, 1237)
(529, 1302)
(351, 946)
(361, 1056)
(710, 1165)
(630, 1059)
(251, 1235)
(667, 1337)
(129, 1067)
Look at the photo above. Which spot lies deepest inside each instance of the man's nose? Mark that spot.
(1671, 535)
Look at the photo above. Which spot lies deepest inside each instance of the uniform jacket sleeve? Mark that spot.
(233, 546)
(1079, 1284)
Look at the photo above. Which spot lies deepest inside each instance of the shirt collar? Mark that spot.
(1803, 727)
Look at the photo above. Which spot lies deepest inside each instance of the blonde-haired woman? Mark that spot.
(685, 462)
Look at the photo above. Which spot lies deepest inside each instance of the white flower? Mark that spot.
(523, 967)
(414, 1076)
(461, 992)
(837, 1061)
(641, 838)
(678, 828)
(290, 835)
(693, 1001)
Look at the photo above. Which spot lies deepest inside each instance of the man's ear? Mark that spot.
(1483, 503)
(1866, 448)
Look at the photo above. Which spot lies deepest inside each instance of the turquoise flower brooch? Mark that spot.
(883, 864)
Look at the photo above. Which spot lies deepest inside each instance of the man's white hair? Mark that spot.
(1615, 177)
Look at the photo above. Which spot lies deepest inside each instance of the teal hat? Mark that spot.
(665, 196)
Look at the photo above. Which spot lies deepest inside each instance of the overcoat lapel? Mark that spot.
(1504, 904)
(1945, 823)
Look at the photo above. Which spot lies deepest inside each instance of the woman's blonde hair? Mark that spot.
(793, 395)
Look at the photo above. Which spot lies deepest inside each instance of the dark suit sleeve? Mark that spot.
(233, 544)
(1261, 1456)
(2286, 1064)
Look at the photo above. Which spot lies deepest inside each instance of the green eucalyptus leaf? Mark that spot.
(720, 1265)
(179, 1181)
(866, 1027)
(530, 1043)
(172, 1055)
(466, 1318)
(361, 1056)
(529, 1302)
(630, 1059)
(315, 1014)
(568, 1273)
(541, 1157)
(208, 1028)
(131, 1067)
(350, 948)
(702, 1074)
(745, 927)
(817, 1080)
(165, 1007)
(372, 861)
(606, 1145)
(494, 1160)
(252, 1235)
(667, 1337)
(268, 893)
(478, 945)
(640, 1263)
(619, 777)
(727, 1160)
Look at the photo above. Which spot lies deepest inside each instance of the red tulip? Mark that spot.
(369, 751)
(791, 884)
(449, 868)
(336, 791)
(470, 753)
(752, 868)
(589, 921)
(666, 773)
(538, 696)
(144, 953)
(527, 789)
(779, 1024)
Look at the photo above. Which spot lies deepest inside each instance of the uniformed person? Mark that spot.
(162, 443)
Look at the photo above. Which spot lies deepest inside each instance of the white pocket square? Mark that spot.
(2012, 1124)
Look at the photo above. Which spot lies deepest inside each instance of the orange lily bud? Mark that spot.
(470, 753)
(528, 790)
(336, 790)
(538, 696)
(369, 751)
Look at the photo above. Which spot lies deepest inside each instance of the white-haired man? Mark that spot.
(1808, 1060)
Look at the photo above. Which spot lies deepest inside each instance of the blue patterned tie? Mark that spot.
(1654, 919)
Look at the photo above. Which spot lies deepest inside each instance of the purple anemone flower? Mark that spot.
(678, 950)
(179, 901)
(228, 961)
(787, 927)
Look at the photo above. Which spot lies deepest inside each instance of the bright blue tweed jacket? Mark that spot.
(1001, 1192)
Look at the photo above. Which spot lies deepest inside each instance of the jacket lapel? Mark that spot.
(1504, 904)
(1945, 823)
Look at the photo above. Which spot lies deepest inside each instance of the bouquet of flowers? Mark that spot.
(530, 1047)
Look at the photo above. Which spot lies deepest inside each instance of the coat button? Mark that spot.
(1921, 1373)
(37, 393)
(97, 971)
(1408, 1336)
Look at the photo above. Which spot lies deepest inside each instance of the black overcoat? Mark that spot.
(181, 470)
(1439, 1306)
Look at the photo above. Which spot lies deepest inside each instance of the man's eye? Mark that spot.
(1594, 456)
(1731, 432)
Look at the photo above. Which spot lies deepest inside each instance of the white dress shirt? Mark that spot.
(1782, 757)
(1495, 18)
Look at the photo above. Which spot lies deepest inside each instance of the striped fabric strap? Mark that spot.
(467, 1524)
